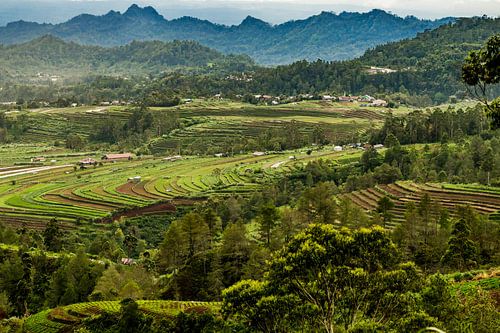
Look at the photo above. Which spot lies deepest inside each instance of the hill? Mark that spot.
(326, 36)
(425, 65)
(51, 55)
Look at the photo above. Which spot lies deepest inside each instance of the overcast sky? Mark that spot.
(233, 11)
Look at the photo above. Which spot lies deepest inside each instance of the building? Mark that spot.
(379, 103)
(87, 161)
(173, 158)
(258, 153)
(337, 148)
(136, 179)
(366, 98)
(327, 98)
(345, 99)
(117, 157)
(127, 261)
(380, 70)
(38, 159)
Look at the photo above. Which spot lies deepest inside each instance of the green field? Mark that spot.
(485, 200)
(64, 319)
(101, 192)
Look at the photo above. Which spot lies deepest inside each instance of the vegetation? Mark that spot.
(252, 214)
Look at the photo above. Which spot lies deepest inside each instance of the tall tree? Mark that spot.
(480, 70)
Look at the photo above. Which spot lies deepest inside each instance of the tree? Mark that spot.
(74, 142)
(318, 203)
(268, 219)
(391, 141)
(370, 159)
(482, 69)
(52, 236)
(184, 238)
(234, 252)
(488, 163)
(462, 252)
(131, 319)
(333, 280)
(384, 206)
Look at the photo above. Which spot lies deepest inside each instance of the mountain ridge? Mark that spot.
(326, 36)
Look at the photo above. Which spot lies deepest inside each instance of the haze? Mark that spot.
(233, 11)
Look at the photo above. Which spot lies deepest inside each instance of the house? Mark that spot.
(87, 161)
(173, 158)
(127, 261)
(136, 179)
(366, 98)
(74, 105)
(337, 148)
(117, 157)
(38, 159)
(378, 146)
(275, 103)
(258, 153)
(327, 98)
(380, 70)
(379, 103)
(345, 99)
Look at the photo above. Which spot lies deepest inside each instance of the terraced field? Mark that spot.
(32, 195)
(212, 123)
(485, 200)
(219, 123)
(64, 319)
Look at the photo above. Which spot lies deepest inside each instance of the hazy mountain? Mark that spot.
(54, 56)
(326, 36)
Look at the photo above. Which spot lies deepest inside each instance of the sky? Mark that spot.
(234, 11)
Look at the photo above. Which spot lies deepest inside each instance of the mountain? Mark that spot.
(326, 36)
(53, 56)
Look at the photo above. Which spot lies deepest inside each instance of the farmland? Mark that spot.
(215, 123)
(67, 317)
(485, 200)
(33, 195)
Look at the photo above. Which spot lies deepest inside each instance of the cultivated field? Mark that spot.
(485, 200)
(66, 318)
(32, 195)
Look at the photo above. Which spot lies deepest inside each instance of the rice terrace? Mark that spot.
(337, 173)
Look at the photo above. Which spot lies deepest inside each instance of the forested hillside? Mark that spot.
(52, 56)
(325, 36)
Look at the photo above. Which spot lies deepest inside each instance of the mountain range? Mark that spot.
(326, 36)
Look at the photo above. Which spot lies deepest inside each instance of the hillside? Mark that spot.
(325, 36)
(425, 65)
(51, 55)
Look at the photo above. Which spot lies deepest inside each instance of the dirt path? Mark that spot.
(12, 173)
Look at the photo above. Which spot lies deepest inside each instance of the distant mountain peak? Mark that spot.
(146, 12)
(251, 21)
